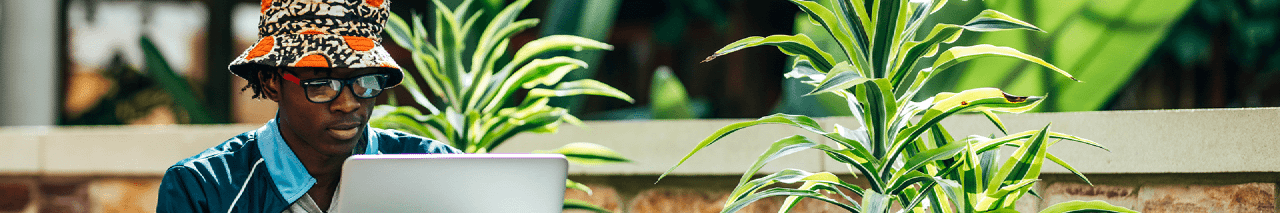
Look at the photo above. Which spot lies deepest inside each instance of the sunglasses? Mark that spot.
(324, 90)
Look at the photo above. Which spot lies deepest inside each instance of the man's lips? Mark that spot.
(347, 125)
(344, 131)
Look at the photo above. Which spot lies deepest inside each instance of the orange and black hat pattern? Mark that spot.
(319, 33)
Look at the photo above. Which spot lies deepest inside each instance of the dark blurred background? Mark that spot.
(1131, 55)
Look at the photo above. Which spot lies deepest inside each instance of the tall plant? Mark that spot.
(912, 164)
(467, 67)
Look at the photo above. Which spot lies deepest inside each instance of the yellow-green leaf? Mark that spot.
(588, 154)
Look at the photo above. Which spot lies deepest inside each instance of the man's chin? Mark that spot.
(338, 148)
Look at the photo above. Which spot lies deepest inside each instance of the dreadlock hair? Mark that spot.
(257, 84)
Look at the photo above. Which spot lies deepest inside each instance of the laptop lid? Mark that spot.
(452, 183)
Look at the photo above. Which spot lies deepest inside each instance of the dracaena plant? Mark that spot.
(911, 165)
(465, 64)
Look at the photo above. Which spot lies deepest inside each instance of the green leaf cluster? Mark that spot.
(466, 66)
(911, 164)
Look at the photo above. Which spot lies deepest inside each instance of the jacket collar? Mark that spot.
(290, 177)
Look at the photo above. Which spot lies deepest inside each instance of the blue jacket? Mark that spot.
(257, 172)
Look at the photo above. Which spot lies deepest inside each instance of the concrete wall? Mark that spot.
(1160, 161)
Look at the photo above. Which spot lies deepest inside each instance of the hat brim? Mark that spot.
(315, 50)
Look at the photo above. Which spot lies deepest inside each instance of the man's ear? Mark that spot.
(270, 84)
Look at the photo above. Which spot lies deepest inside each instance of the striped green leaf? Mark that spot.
(484, 57)
(552, 43)
(588, 154)
(399, 118)
(985, 144)
(838, 29)
(1068, 167)
(783, 147)
(920, 159)
(901, 183)
(957, 55)
(583, 205)
(1007, 195)
(538, 71)
(795, 45)
(791, 176)
(992, 20)
(399, 31)
(792, 201)
(581, 87)
(841, 77)
(570, 184)
(991, 116)
(951, 189)
(795, 120)
(987, 21)
(804, 70)
(946, 104)
(740, 203)
(876, 98)
(874, 202)
(1085, 206)
(949, 103)
(1024, 164)
(501, 27)
(887, 17)
(786, 176)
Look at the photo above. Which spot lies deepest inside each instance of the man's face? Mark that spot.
(331, 128)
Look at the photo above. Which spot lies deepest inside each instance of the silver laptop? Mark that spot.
(452, 183)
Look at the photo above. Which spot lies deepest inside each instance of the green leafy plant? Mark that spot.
(467, 67)
(913, 163)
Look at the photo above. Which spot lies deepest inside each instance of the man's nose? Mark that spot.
(346, 101)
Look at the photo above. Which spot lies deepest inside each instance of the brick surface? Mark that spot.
(1124, 196)
(1250, 197)
(677, 200)
(64, 197)
(686, 200)
(603, 196)
(123, 195)
(17, 196)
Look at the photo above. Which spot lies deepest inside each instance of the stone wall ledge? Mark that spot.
(1141, 142)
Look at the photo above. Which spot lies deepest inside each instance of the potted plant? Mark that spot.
(911, 164)
(466, 65)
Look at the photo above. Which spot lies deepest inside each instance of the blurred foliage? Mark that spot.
(134, 95)
(131, 96)
(158, 69)
(671, 25)
(592, 19)
(1235, 37)
(596, 19)
(667, 97)
(1101, 42)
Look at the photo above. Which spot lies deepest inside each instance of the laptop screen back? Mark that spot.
(452, 183)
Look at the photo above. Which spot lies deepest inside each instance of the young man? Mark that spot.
(322, 63)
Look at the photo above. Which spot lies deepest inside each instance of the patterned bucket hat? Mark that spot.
(319, 33)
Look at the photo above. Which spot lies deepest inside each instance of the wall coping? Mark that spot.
(1141, 142)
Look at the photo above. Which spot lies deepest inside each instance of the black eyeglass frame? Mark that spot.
(343, 83)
